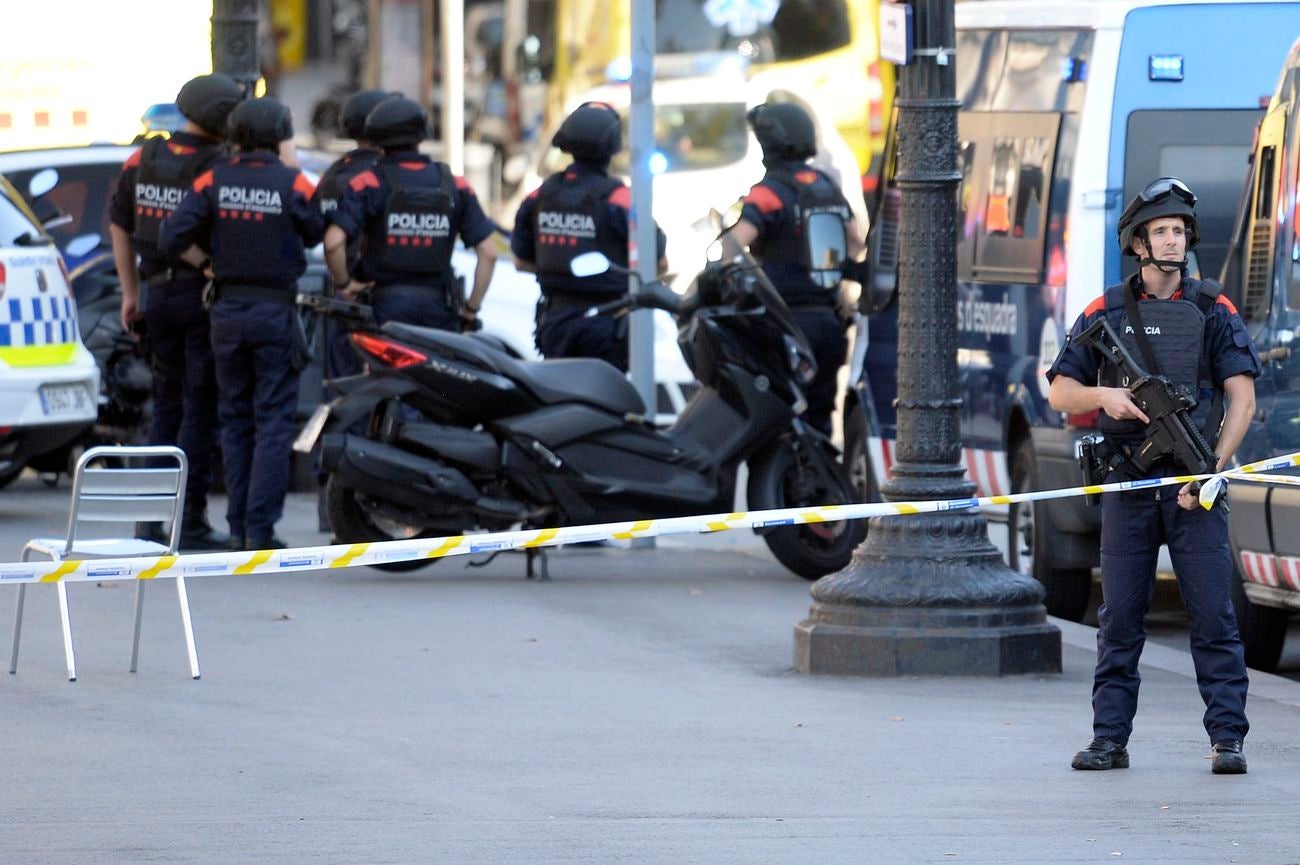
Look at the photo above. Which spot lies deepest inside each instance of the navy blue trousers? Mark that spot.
(251, 342)
(825, 333)
(1133, 526)
(184, 382)
(569, 333)
(414, 304)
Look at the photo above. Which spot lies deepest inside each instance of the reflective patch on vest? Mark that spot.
(564, 228)
(247, 202)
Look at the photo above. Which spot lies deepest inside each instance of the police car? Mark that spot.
(48, 381)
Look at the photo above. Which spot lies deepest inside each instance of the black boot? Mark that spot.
(152, 532)
(265, 542)
(1102, 754)
(197, 534)
(1228, 759)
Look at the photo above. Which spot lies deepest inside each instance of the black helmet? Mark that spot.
(592, 133)
(209, 99)
(397, 122)
(784, 130)
(357, 107)
(1164, 196)
(260, 124)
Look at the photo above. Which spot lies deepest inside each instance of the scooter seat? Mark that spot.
(584, 380)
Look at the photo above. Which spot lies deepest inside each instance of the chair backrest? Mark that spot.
(126, 484)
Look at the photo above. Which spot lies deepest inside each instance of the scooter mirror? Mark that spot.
(589, 264)
(83, 244)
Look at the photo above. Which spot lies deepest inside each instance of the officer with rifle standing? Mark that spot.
(1164, 419)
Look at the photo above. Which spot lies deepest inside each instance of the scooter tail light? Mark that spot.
(389, 353)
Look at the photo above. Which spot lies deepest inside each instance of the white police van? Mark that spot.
(49, 383)
(1067, 110)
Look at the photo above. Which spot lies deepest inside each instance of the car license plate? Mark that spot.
(306, 439)
(58, 400)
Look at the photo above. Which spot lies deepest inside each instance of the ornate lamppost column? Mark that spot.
(928, 593)
(234, 40)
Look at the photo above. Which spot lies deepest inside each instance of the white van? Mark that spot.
(49, 383)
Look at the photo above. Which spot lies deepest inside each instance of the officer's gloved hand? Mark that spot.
(469, 321)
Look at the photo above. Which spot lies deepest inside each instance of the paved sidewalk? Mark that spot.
(638, 708)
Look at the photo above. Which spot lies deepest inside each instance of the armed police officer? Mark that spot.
(254, 217)
(580, 209)
(340, 360)
(154, 180)
(408, 209)
(777, 222)
(1185, 330)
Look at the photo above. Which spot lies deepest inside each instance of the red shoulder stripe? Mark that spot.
(203, 181)
(180, 149)
(764, 198)
(133, 160)
(621, 197)
(1223, 299)
(303, 185)
(363, 180)
(532, 195)
(1096, 306)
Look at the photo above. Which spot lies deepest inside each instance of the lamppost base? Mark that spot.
(926, 641)
(927, 594)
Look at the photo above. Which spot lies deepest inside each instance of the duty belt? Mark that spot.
(174, 274)
(267, 293)
(560, 300)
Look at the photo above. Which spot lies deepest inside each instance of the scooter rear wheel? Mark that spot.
(354, 522)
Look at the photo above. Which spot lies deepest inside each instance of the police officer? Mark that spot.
(775, 222)
(579, 209)
(154, 180)
(408, 210)
(1195, 337)
(253, 215)
(340, 360)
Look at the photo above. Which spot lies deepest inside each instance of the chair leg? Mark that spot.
(184, 600)
(18, 628)
(67, 630)
(139, 609)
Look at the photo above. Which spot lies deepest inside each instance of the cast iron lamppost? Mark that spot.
(234, 40)
(928, 593)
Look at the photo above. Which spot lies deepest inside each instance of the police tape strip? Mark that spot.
(383, 552)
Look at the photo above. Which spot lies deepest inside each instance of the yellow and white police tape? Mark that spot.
(361, 555)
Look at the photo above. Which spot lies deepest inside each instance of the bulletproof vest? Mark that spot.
(336, 177)
(815, 195)
(571, 219)
(416, 235)
(253, 222)
(1175, 330)
(161, 181)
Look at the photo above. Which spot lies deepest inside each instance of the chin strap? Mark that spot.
(1164, 266)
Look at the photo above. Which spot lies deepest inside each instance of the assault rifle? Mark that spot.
(1166, 405)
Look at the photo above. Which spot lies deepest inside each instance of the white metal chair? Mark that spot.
(114, 490)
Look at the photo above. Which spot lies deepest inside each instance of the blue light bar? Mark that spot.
(658, 163)
(619, 69)
(1165, 67)
(1073, 69)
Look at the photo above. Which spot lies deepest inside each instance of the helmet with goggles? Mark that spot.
(1164, 196)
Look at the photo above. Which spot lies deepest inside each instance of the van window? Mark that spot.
(1009, 238)
(981, 55)
(1209, 151)
(1045, 71)
(1293, 284)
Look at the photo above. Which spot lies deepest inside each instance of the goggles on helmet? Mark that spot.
(1158, 190)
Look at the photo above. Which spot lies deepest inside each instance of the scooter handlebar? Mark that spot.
(335, 307)
(655, 295)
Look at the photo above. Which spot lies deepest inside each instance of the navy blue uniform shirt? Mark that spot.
(361, 209)
(1225, 341)
(523, 240)
(265, 207)
(121, 207)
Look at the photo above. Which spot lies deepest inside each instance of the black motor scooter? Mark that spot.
(446, 434)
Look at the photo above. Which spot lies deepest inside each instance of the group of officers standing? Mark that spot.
(218, 217)
(193, 213)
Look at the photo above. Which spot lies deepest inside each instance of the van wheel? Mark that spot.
(1031, 540)
(1263, 629)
